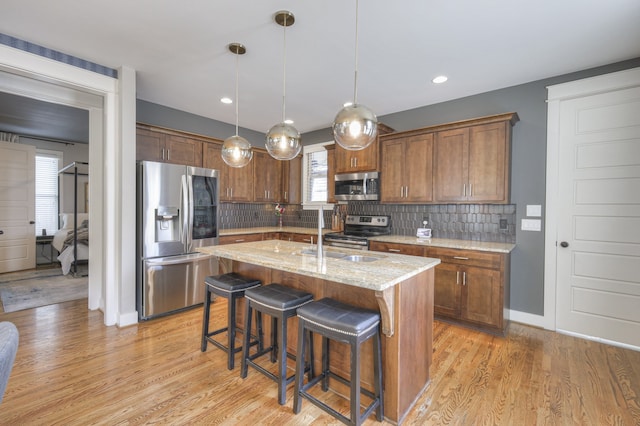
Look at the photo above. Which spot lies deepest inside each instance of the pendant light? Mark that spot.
(236, 150)
(283, 140)
(355, 126)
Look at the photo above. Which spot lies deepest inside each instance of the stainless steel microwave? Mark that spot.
(357, 186)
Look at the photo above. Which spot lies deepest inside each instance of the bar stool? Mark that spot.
(232, 287)
(348, 324)
(280, 303)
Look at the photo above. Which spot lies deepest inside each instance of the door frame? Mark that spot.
(556, 94)
(111, 167)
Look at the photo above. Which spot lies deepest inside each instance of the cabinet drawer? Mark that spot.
(397, 248)
(243, 238)
(467, 257)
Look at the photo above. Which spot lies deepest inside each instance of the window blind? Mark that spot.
(315, 176)
(47, 166)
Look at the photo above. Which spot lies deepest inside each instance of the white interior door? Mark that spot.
(598, 225)
(17, 207)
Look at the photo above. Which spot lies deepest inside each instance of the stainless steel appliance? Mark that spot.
(177, 211)
(357, 231)
(357, 186)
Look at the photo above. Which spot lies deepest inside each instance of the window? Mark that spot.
(47, 166)
(314, 173)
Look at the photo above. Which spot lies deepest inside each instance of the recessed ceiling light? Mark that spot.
(440, 79)
(226, 100)
(346, 104)
(288, 121)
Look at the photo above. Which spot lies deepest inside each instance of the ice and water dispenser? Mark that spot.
(167, 224)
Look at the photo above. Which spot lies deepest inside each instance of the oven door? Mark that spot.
(350, 244)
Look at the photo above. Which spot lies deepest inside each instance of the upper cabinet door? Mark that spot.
(267, 177)
(154, 145)
(183, 150)
(149, 145)
(488, 163)
(451, 164)
(407, 169)
(292, 181)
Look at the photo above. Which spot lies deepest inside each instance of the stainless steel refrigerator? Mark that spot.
(177, 211)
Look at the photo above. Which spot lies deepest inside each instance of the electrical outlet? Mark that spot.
(503, 224)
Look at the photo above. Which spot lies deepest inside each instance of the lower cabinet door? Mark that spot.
(481, 301)
(447, 290)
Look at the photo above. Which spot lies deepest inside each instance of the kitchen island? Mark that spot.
(400, 287)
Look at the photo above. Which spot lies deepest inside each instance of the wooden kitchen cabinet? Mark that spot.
(292, 181)
(471, 163)
(472, 287)
(407, 160)
(267, 178)
(299, 238)
(166, 147)
(409, 249)
(236, 183)
(364, 160)
(240, 238)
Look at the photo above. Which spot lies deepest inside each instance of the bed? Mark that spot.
(63, 240)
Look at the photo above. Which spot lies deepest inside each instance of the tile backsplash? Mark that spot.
(480, 222)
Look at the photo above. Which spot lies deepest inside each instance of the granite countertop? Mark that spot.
(398, 239)
(447, 243)
(267, 229)
(389, 270)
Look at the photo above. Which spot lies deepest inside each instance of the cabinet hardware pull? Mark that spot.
(470, 190)
(231, 192)
(394, 250)
(168, 154)
(460, 258)
(239, 241)
(163, 153)
(464, 278)
(285, 195)
(457, 277)
(464, 189)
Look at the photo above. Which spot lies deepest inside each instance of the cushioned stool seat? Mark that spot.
(281, 303)
(231, 286)
(341, 322)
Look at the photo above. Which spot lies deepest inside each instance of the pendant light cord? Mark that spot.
(237, 101)
(284, 68)
(355, 78)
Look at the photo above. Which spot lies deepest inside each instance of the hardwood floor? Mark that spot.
(72, 370)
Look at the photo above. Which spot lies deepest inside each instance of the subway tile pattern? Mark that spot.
(478, 222)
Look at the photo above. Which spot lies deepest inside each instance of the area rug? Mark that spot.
(45, 288)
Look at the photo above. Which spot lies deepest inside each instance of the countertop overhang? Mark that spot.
(388, 270)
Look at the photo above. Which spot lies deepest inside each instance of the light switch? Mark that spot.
(534, 210)
(531, 225)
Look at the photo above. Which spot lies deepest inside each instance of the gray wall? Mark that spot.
(528, 157)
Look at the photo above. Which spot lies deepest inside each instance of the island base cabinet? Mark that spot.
(406, 354)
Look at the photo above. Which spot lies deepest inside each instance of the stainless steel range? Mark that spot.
(357, 231)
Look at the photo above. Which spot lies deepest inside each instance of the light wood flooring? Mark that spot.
(72, 370)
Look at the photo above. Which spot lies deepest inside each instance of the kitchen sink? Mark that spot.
(360, 258)
(314, 252)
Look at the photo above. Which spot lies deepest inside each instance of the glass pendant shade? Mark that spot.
(355, 127)
(283, 142)
(236, 151)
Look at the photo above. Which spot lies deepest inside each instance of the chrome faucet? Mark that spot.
(320, 226)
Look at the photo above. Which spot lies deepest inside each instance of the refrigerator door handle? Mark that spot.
(184, 234)
(190, 207)
(176, 260)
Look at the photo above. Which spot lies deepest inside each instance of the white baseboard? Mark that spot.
(600, 340)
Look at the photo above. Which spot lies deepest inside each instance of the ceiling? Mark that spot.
(179, 50)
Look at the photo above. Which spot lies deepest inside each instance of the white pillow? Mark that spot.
(67, 219)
